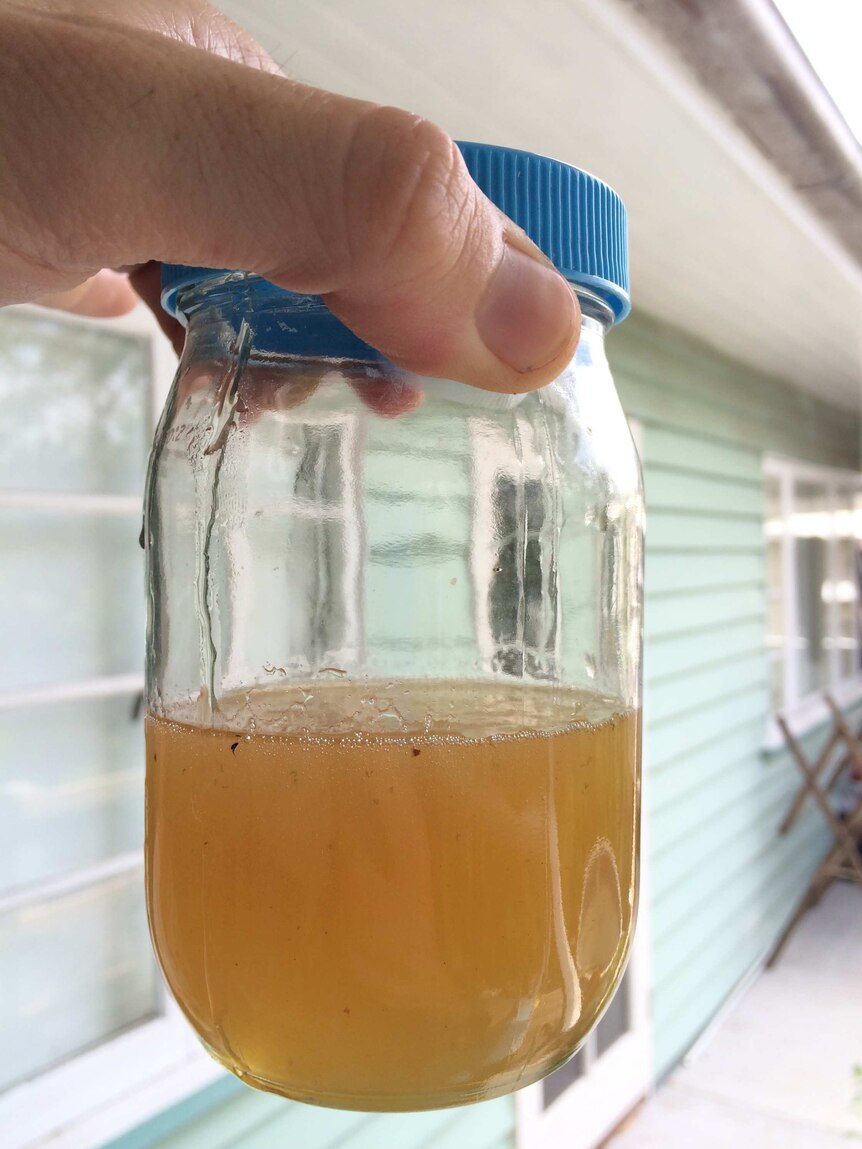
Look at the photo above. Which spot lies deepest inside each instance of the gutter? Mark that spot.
(745, 56)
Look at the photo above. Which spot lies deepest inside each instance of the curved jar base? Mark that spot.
(402, 920)
(418, 1101)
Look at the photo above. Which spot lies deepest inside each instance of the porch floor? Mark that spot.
(783, 1068)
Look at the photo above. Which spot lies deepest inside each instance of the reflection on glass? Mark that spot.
(522, 597)
(600, 928)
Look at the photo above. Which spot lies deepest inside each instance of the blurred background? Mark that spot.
(732, 131)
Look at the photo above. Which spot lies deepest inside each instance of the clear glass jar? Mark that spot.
(393, 727)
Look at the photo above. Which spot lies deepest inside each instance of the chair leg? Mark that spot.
(810, 775)
(802, 907)
(844, 858)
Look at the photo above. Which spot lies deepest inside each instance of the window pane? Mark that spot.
(71, 597)
(776, 682)
(847, 577)
(74, 971)
(775, 591)
(811, 524)
(76, 965)
(71, 788)
(616, 1021)
(559, 1081)
(74, 406)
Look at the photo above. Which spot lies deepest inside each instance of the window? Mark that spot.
(813, 549)
(614, 1025)
(82, 997)
(522, 570)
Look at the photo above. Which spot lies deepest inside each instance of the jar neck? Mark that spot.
(217, 309)
(595, 312)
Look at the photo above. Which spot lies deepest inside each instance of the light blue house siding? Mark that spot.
(230, 1116)
(721, 883)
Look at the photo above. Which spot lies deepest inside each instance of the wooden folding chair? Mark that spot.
(844, 859)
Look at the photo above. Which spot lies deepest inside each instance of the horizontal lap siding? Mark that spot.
(722, 882)
(249, 1120)
(731, 407)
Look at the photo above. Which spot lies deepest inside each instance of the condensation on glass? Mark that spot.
(393, 700)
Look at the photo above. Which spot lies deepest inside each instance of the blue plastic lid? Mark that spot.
(577, 220)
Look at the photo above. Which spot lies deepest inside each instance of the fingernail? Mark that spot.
(528, 312)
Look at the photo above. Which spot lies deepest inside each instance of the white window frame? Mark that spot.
(105, 1091)
(614, 1083)
(807, 711)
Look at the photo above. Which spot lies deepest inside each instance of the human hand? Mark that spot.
(165, 134)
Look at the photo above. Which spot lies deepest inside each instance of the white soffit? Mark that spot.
(721, 246)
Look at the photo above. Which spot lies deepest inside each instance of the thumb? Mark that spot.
(149, 149)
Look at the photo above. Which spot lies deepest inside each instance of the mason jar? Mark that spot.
(393, 687)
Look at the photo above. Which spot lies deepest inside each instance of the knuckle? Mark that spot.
(415, 195)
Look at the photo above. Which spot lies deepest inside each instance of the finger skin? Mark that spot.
(150, 149)
(146, 279)
(104, 295)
